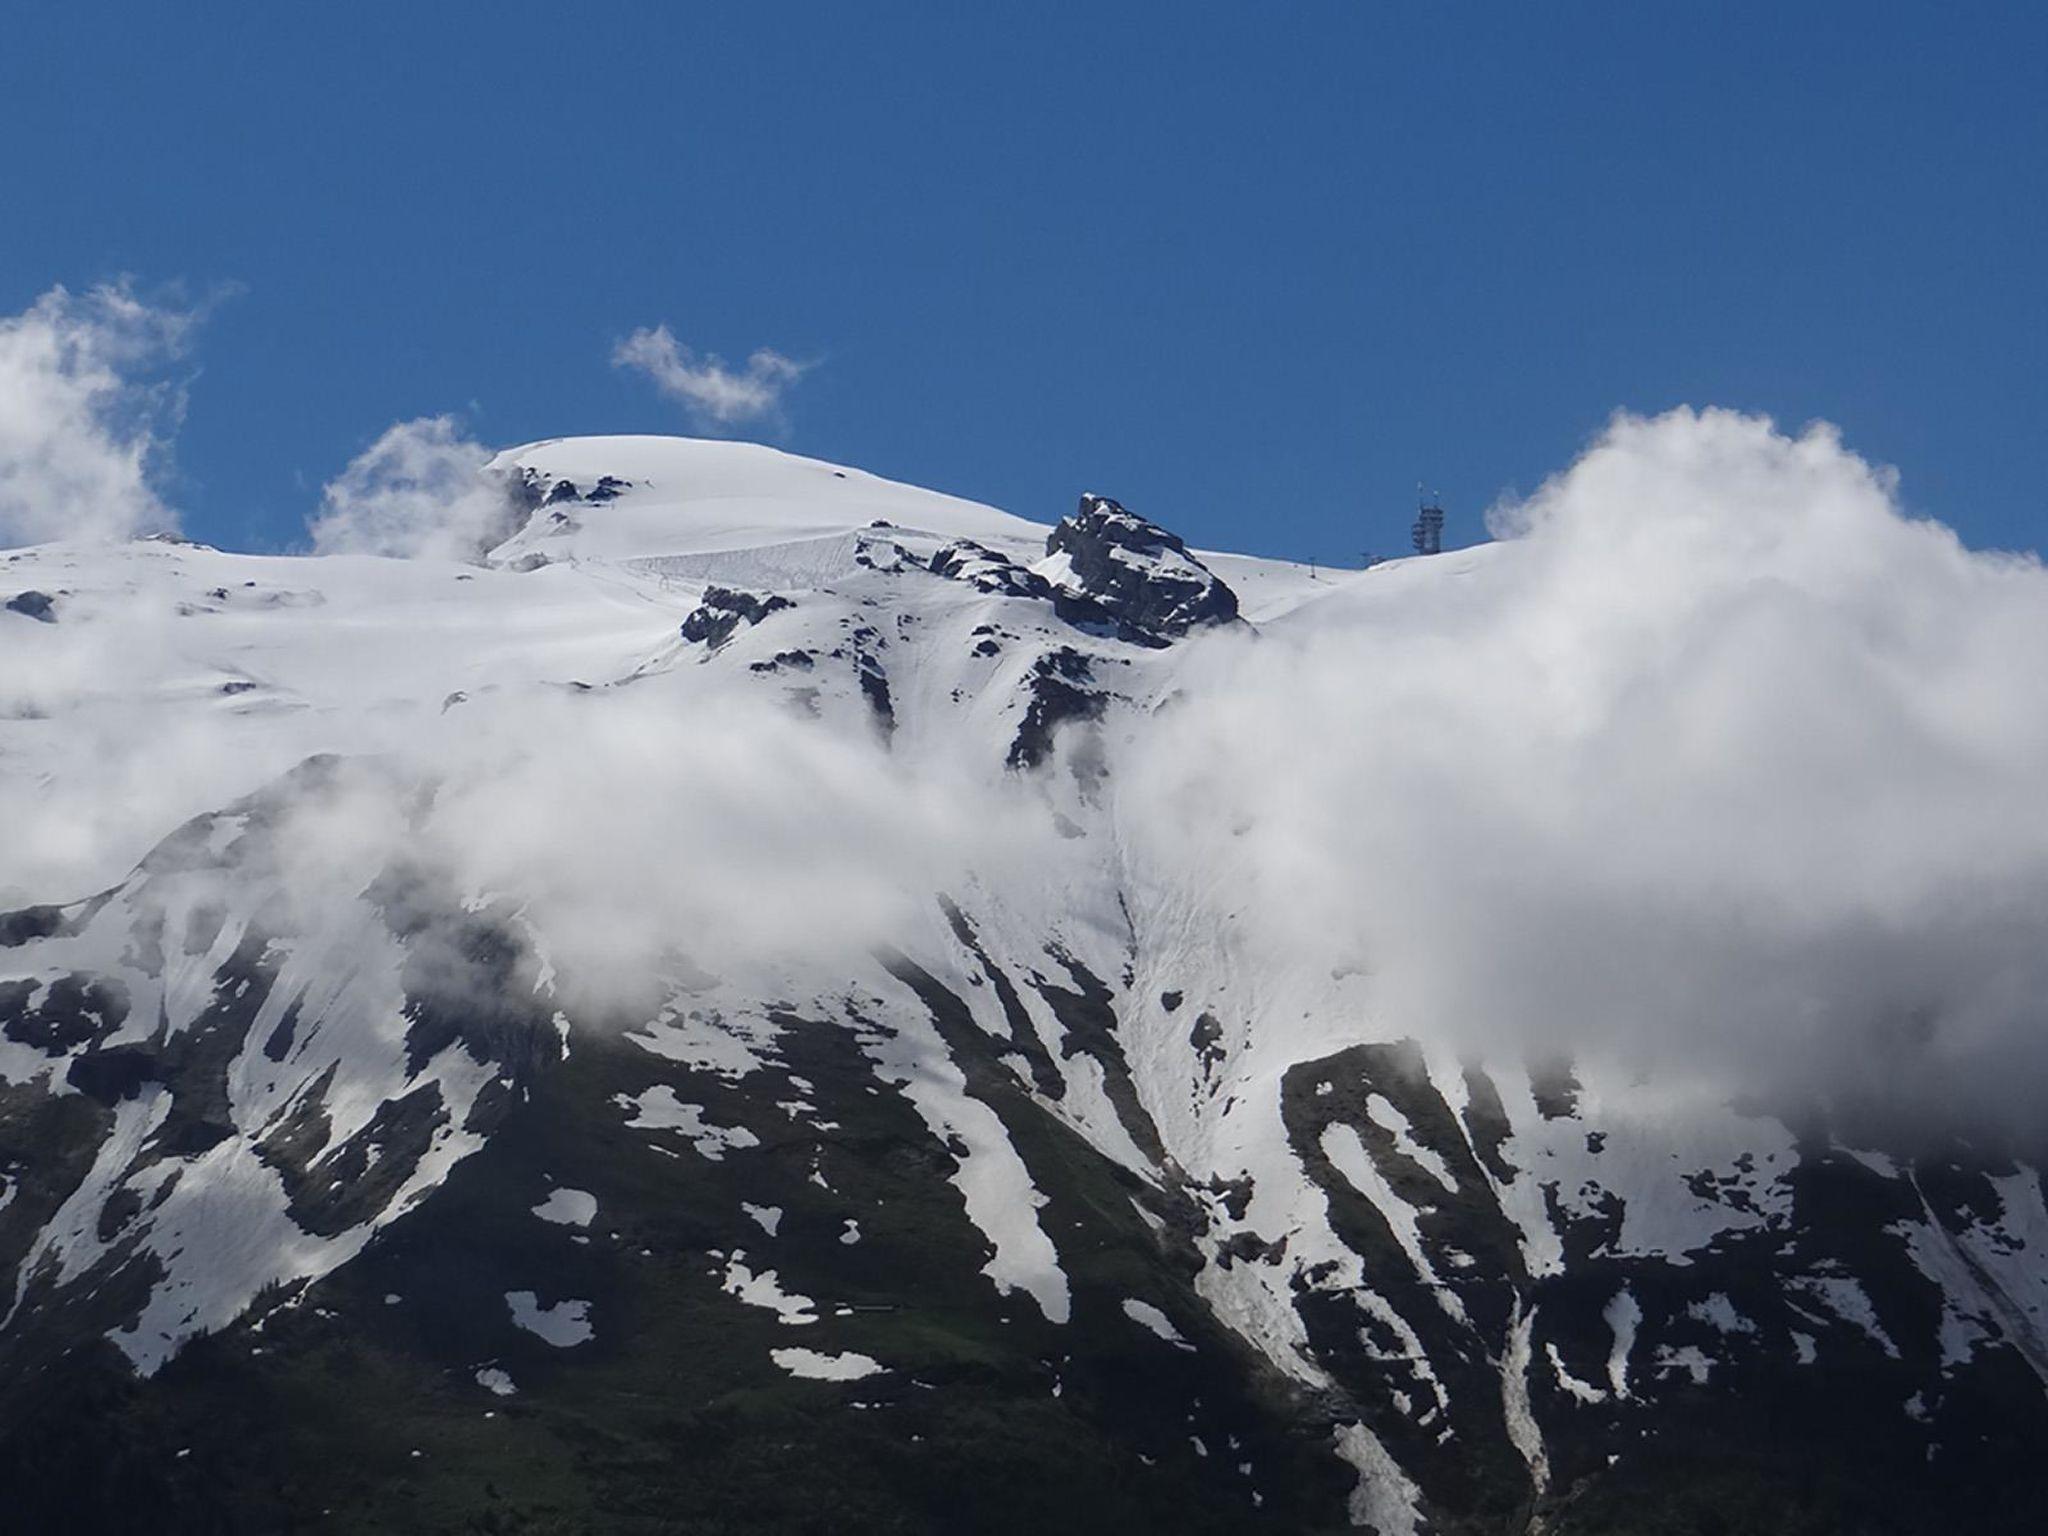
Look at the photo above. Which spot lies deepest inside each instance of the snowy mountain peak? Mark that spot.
(651, 498)
(1137, 570)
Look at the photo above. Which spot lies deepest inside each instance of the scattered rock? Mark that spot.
(723, 610)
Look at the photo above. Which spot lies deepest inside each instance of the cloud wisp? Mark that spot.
(85, 411)
(418, 492)
(713, 393)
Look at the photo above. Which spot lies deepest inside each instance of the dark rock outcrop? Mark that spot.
(723, 610)
(1061, 688)
(1140, 574)
(986, 571)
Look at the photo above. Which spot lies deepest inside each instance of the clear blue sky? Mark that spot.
(1255, 269)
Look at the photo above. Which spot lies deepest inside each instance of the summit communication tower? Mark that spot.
(1429, 523)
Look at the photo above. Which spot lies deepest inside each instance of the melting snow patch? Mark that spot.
(852, 1233)
(1385, 1499)
(1878, 1163)
(1941, 1258)
(658, 1109)
(1383, 1113)
(1584, 1391)
(1523, 1431)
(1719, 1312)
(993, 1181)
(567, 1208)
(764, 1290)
(496, 1382)
(709, 1041)
(1845, 1298)
(1150, 1318)
(1690, 1359)
(768, 1217)
(1347, 1153)
(565, 1324)
(813, 1366)
(1623, 1315)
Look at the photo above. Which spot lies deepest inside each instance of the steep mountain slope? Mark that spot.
(353, 1183)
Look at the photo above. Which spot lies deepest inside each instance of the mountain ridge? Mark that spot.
(1045, 1135)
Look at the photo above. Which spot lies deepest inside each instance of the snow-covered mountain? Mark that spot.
(405, 1129)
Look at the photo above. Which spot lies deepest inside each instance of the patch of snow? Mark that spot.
(991, 1177)
(1719, 1313)
(658, 1109)
(564, 1325)
(813, 1366)
(1584, 1391)
(1523, 1431)
(1879, 1163)
(1385, 1498)
(1150, 1318)
(567, 1208)
(730, 1043)
(1348, 1154)
(1844, 1296)
(765, 1290)
(1624, 1315)
(1694, 1361)
(1383, 1113)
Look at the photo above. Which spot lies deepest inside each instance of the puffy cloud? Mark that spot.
(1720, 763)
(656, 832)
(83, 412)
(713, 393)
(420, 491)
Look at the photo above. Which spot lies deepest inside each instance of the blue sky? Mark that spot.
(1253, 269)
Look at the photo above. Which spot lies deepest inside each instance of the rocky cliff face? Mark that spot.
(1138, 572)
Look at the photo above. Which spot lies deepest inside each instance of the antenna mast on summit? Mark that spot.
(1428, 532)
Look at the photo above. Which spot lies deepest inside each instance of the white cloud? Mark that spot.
(82, 417)
(419, 492)
(1720, 764)
(713, 393)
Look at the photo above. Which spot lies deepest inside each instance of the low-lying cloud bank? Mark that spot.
(641, 845)
(1718, 762)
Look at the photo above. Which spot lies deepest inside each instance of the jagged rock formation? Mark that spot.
(712, 622)
(1139, 572)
